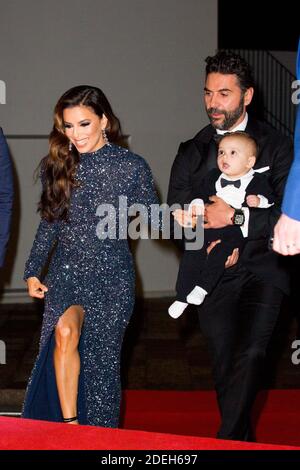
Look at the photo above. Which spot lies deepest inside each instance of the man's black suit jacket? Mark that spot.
(275, 151)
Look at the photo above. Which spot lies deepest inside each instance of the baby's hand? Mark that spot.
(252, 200)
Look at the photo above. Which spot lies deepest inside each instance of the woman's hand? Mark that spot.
(287, 236)
(185, 218)
(36, 288)
(189, 218)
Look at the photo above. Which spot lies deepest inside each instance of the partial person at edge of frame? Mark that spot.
(287, 230)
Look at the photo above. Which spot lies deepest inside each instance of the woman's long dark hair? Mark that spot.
(58, 169)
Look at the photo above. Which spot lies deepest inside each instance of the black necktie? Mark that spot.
(236, 183)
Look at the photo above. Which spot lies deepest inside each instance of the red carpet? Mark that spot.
(276, 414)
(189, 413)
(25, 434)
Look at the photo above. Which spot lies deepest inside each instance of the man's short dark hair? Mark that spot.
(229, 63)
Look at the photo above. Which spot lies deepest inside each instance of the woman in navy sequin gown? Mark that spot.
(90, 285)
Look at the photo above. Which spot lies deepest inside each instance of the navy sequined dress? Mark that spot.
(97, 273)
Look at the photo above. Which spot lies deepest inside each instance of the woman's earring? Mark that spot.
(70, 146)
(104, 135)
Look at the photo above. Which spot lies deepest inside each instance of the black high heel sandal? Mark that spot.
(69, 420)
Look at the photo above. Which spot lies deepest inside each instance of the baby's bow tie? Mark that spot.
(236, 183)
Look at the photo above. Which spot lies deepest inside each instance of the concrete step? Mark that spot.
(11, 399)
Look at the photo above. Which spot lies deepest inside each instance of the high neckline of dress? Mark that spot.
(96, 152)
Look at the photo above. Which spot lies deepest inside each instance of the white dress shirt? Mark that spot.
(236, 196)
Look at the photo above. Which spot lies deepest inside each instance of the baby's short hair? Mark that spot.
(243, 135)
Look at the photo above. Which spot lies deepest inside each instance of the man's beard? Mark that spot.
(231, 117)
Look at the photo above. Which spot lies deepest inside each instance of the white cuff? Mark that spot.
(263, 202)
(245, 227)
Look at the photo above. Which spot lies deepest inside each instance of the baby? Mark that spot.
(239, 186)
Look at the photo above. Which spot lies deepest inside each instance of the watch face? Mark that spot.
(239, 219)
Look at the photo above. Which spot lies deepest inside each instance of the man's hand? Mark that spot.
(287, 236)
(231, 260)
(218, 214)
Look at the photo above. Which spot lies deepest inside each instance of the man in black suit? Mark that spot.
(239, 316)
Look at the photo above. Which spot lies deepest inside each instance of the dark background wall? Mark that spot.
(147, 56)
(258, 24)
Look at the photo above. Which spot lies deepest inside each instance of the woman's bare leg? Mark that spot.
(67, 360)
